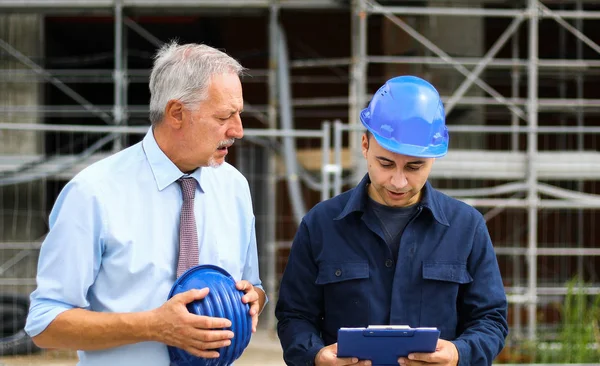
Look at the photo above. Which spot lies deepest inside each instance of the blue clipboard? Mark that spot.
(383, 344)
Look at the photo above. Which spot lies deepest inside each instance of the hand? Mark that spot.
(445, 354)
(174, 325)
(327, 356)
(250, 297)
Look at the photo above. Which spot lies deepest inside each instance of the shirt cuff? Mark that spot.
(42, 314)
(464, 352)
(311, 354)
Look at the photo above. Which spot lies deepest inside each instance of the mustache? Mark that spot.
(225, 143)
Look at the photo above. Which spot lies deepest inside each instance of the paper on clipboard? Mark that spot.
(383, 344)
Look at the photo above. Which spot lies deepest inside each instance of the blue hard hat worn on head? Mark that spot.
(224, 300)
(406, 116)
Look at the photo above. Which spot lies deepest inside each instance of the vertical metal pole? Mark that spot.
(515, 78)
(358, 72)
(532, 197)
(562, 82)
(580, 142)
(515, 120)
(118, 71)
(271, 229)
(124, 80)
(337, 157)
(326, 150)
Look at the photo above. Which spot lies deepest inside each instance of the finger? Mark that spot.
(425, 357)
(212, 335)
(243, 285)
(250, 297)
(208, 322)
(254, 307)
(254, 323)
(191, 295)
(341, 361)
(202, 353)
(208, 346)
(364, 363)
(406, 362)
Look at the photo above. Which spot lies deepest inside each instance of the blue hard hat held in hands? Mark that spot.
(223, 301)
(406, 116)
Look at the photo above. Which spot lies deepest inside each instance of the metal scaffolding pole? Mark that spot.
(532, 194)
(516, 268)
(358, 70)
(271, 223)
(580, 142)
(119, 74)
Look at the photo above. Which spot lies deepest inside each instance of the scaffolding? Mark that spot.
(523, 171)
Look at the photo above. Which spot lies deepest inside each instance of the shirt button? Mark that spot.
(338, 272)
(389, 263)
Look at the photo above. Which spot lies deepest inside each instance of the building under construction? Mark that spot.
(519, 81)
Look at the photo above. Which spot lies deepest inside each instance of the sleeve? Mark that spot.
(69, 257)
(482, 307)
(251, 271)
(300, 304)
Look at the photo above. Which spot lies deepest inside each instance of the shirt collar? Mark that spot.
(358, 197)
(163, 169)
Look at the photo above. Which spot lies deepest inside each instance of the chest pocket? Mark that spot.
(441, 285)
(447, 272)
(339, 272)
(345, 293)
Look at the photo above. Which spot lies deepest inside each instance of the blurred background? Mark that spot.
(521, 86)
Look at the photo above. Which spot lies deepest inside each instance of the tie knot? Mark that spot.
(188, 187)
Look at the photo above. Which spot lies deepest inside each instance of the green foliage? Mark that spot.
(579, 332)
(577, 340)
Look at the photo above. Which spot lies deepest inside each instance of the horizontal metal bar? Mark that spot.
(322, 62)
(20, 245)
(541, 204)
(17, 282)
(478, 12)
(18, 126)
(324, 101)
(74, 110)
(501, 129)
(144, 129)
(551, 291)
(544, 104)
(446, 11)
(522, 129)
(77, 5)
(473, 61)
(548, 251)
(549, 104)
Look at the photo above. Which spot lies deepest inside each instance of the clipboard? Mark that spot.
(383, 344)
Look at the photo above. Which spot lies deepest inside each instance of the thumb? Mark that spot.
(191, 295)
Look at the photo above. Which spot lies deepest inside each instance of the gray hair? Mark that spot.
(183, 73)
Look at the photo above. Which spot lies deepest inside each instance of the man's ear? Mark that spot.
(365, 144)
(174, 113)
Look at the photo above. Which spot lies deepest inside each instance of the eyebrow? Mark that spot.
(232, 110)
(415, 162)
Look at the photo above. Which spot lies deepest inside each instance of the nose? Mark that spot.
(399, 180)
(236, 130)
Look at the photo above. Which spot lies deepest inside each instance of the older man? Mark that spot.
(114, 248)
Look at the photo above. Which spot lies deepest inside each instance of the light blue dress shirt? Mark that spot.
(113, 241)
